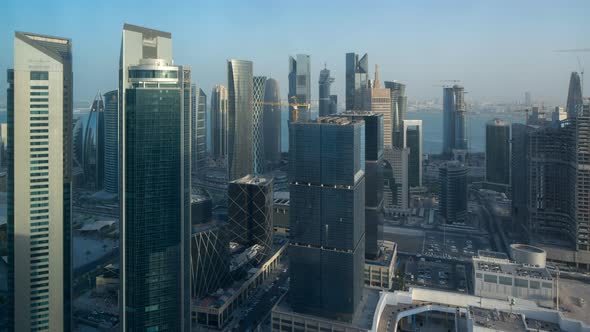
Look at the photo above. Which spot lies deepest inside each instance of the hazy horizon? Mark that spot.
(497, 52)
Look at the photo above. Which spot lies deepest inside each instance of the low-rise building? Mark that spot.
(379, 271)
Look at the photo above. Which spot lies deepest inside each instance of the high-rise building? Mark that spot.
(399, 105)
(396, 191)
(454, 120)
(357, 82)
(559, 114)
(327, 216)
(94, 149)
(40, 111)
(259, 88)
(373, 179)
(155, 105)
(527, 99)
(412, 139)
(380, 102)
(325, 84)
(240, 105)
(111, 142)
(498, 153)
(249, 212)
(574, 96)
(271, 122)
(199, 129)
(3, 144)
(452, 205)
(219, 121)
(333, 104)
(299, 88)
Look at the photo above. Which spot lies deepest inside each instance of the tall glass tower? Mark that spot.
(357, 82)
(271, 122)
(325, 83)
(155, 184)
(93, 153)
(498, 152)
(219, 125)
(199, 129)
(39, 184)
(240, 84)
(299, 88)
(454, 119)
(111, 144)
(574, 96)
(399, 105)
(259, 83)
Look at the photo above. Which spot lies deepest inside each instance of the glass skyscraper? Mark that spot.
(412, 140)
(299, 88)
(94, 149)
(325, 83)
(357, 82)
(271, 122)
(155, 185)
(454, 119)
(498, 152)
(574, 96)
(259, 83)
(40, 112)
(240, 84)
(219, 121)
(399, 105)
(327, 216)
(199, 129)
(453, 192)
(111, 144)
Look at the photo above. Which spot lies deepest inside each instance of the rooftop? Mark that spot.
(388, 252)
(492, 263)
(257, 180)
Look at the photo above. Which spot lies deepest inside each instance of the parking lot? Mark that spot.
(440, 274)
(454, 246)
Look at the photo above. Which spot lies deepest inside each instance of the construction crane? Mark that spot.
(293, 103)
(580, 68)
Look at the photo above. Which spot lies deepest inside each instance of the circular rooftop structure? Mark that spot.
(526, 254)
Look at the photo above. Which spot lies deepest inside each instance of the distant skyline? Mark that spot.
(497, 49)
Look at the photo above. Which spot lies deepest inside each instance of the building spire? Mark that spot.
(377, 83)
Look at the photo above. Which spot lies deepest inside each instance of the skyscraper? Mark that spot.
(325, 83)
(574, 96)
(111, 143)
(396, 191)
(259, 87)
(380, 102)
(271, 122)
(520, 172)
(452, 205)
(454, 121)
(327, 216)
(249, 212)
(373, 179)
(199, 129)
(155, 184)
(240, 107)
(399, 105)
(94, 140)
(300, 87)
(527, 99)
(219, 121)
(39, 118)
(357, 82)
(498, 153)
(412, 140)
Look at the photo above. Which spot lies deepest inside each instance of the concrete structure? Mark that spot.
(500, 278)
(399, 106)
(396, 192)
(559, 114)
(497, 155)
(411, 134)
(357, 82)
(574, 96)
(454, 120)
(240, 119)
(373, 179)
(281, 206)
(300, 88)
(94, 146)
(327, 216)
(380, 103)
(111, 143)
(258, 159)
(325, 82)
(379, 271)
(452, 204)
(250, 203)
(529, 255)
(40, 93)
(219, 121)
(271, 122)
(155, 183)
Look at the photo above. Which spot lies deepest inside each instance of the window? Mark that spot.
(39, 75)
(535, 284)
(40, 106)
(34, 93)
(505, 281)
(39, 112)
(39, 99)
(39, 87)
(547, 285)
(490, 278)
(521, 283)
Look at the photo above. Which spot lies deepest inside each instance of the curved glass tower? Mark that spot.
(93, 150)
(240, 107)
(111, 142)
(271, 122)
(219, 121)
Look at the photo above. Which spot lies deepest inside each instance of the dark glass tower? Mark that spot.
(199, 129)
(94, 145)
(325, 83)
(219, 121)
(155, 186)
(453, 192)
(111, 143)
(299, 88)
(574, 96)
(373, 179)
(327, 216)
(357, 82)
(240, 107)
(271, 122)
(399, 105)
(454, 121)
(498, 152)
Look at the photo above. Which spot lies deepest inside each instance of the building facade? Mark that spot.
(396, 190)
(357, 82)
(574, 96)
(198, 129)
(299, 88)
(452, 204)
(111, 143)
(259, 86)
(155, 185)
(219, 121)
(94, 149)
(240, 107)
(380, 103)
(271, 122)
(412, 140)
(39, 203)
(454, 120)
(327, 216)
(399, 106)
(325, 83)
(498, 153)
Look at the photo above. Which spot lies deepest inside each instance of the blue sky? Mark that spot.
(498, 49)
